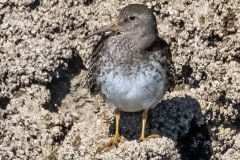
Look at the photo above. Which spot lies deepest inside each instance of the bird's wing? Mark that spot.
(94, 69)
(160, 46)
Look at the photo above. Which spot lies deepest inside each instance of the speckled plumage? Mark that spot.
(131, 68)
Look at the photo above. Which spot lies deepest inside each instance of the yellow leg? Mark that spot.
(117, 114)
(144, 120)
(114, 140)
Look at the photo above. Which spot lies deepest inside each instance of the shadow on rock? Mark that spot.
(179, 119)
(60, 84)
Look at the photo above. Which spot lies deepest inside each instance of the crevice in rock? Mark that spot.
(88, 2)
(186, 73)
(4, 101)
(34, 4)
(179, 24)
(213, 38)
(236, 57)
(222, 99)
(65, 129)
(2, 17)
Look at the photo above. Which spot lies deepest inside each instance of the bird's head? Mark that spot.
(137, 21)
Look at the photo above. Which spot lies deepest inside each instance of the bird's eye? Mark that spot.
(131, 17)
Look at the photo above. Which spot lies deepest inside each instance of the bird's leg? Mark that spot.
(114, 140)
(144, 120)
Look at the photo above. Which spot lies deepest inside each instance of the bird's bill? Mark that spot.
(111, 27)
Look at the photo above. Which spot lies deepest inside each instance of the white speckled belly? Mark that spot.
(134, 88)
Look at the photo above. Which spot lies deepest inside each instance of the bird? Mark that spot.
(130, 67)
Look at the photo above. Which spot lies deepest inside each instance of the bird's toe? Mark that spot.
(113, 142)
(141, 139)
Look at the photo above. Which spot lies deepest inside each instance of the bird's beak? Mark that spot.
(111, 27)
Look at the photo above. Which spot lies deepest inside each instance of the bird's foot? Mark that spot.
(113, 142)
(141, 139)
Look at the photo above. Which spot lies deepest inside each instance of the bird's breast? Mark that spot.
(132, 86)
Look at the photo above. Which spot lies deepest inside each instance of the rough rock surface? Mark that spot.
(45, 112)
